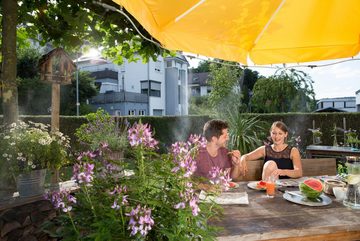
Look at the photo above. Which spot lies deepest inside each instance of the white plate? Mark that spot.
(287, 183)
(323, 200)
(253, 185)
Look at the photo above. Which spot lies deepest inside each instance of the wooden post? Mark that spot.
(55, 107)
(55, 125)
(313, 126)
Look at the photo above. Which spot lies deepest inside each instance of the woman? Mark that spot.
(280, 159)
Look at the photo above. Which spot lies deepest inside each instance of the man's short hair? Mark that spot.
(214, 128)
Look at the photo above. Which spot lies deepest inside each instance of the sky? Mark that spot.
(336, 80)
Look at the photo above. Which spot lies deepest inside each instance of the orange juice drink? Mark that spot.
(270, 189)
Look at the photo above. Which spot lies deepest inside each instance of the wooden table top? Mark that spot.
(278, 219)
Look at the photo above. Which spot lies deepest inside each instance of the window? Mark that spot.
(132, 112)
(181, 75)
(169, 64)
(155, 88)
(157, 112)
(142, 112)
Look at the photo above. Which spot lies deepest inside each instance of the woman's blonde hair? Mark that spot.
(281, 125)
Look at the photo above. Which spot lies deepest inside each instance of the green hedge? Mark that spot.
(169, 129)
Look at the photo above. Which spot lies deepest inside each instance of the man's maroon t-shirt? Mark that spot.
(205, 162)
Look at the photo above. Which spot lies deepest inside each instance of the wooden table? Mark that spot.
(278, 219)
(330, 151)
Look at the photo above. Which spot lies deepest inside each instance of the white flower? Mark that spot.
(33, 166)
(30, 163)
(5, 155)
(6, 137)
(12, 144)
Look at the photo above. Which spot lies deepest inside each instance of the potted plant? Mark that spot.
(351, 138)
(27, 149)
(317, 134)
(103, 128)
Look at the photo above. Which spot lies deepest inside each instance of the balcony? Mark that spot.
(116, 97)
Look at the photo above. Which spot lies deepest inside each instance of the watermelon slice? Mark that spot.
(261, 185)
(233, 185)
(311, 188)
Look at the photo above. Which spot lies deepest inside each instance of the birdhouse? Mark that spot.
(56, 67)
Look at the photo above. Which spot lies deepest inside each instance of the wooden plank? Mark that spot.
(255, 171)
(319, 166)
(311, 167)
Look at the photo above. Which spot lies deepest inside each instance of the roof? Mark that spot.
(329, 109)
(347, 98)
(53, 52)
(199, 78)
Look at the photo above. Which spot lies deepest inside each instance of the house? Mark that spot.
(198, 84)
(346, 104)
(155, 88)
(357, 101)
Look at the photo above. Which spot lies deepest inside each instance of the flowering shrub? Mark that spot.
(158, 202)
(31, 146)
(102, 127)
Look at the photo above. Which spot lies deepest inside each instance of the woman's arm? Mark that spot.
(297, 171)
(254, 155)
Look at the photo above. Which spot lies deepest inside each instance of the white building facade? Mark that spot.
(155, 88)
(347, 104)
(357, 100)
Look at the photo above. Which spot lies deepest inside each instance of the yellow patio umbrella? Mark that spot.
(267, 31)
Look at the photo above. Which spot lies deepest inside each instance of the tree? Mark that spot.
(249, 79)
(199, 105)
(8, 53)
(87, 89)
(204, 66)
(66, 23)
(286, 91)
(224, 80)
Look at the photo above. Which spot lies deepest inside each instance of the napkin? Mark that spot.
(225, 198)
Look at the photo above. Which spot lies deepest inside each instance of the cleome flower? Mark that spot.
(140, 135)
(140, 221)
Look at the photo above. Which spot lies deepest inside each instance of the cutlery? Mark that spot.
(294, 194)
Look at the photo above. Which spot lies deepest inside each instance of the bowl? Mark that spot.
(339, 193)
(329, 184)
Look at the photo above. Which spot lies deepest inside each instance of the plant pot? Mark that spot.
(32, 183)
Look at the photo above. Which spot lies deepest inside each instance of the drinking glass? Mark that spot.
(270, 187)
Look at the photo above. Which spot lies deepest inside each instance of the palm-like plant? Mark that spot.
(246, 132)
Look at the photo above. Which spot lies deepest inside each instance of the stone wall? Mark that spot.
(23, 223)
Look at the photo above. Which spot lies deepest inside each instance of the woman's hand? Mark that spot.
(279, 172)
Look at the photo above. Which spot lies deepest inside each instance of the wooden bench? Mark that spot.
(311, 167)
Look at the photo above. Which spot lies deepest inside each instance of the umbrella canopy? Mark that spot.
(267, 31)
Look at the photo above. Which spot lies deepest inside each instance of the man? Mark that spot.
(215, 153)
